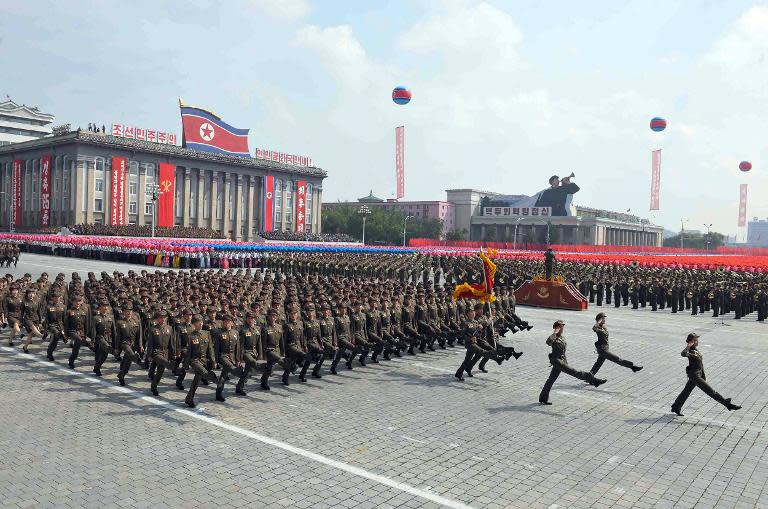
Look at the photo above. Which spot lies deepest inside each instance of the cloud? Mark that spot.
(285, 10)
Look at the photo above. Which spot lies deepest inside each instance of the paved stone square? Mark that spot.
(402, 433)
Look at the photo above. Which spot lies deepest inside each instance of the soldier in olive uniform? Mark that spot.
(328, 337)
(104, 333)
(313, 340)
(77, 326)
(31, 317)
(697, 377)
(55, 314)
(251, 353)
(200, 354)
(472, 334)
(161, 347)
(272, 336)
(559, 363)
(603, 352)
(228, 339)
(359, 331)
(129, 335)
(296, 350)
(13, 306)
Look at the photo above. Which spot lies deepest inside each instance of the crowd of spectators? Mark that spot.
(307, 237)
(186, 232)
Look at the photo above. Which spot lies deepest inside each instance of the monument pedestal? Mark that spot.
(550, 294)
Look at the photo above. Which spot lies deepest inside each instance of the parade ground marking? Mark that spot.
(319, 458)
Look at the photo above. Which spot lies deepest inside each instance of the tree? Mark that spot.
(696, 240)
(457, 234)
(381, 226)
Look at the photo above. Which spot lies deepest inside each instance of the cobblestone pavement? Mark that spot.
(403, 433)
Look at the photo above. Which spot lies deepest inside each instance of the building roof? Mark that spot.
(109, 141)
(370, 198)
(22, 110)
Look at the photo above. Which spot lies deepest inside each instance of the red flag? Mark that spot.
(655, 179)
(205, 131)
(17, 183)
(743, 205)
(269, 202)
(45, 190)
(400, 160)
(301, 205)
(117, 191)
(167, 191)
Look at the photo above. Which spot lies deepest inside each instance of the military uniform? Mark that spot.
(228, 340)
(129, 335)
(161, 348)
(104, 333)
(272, 336)
(55, 319)
(603, 352)
(559, 364)
(251, 353)
(200, 353)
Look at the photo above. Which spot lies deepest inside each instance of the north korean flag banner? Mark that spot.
(301, 205)
(207, 132)
(743, 205)
(167, 191)
(269, 203)
(17, 181)
(45, 190)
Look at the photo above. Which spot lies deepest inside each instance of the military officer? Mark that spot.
(161, 347)
(697, 377)
(603, 352)
(129, 336)
(104, 333)
(200, 354)
(228, 340)
(55, 314)
(559, 363)
(251, 352)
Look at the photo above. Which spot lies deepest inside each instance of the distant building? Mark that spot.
(22, 123)
(757, 233)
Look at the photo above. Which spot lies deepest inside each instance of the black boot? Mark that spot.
(154, 391)
(190, 403)
(636, 368)
(677, 411)
(220, 395)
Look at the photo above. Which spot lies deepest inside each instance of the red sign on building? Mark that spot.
(17, 182)
(117, 191)
(301, 205)
(45, 190)
(400, 160)
(269, 203)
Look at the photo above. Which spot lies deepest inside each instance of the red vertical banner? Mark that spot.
(655, 179)
(45, 190)
(117, 191)
(269, 203)
(167, 183)
(743, 205)
(301, 205)
(17, 182)
(400, 160)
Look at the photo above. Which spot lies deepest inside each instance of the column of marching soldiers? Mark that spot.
(297, 312)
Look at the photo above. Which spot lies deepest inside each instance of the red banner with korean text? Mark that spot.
(16, 197)
(655, 179)
(45, 190)
(269, 203)
(167, 184)
(117, 191)
(400, 160)
(743, 205)
(301, 205)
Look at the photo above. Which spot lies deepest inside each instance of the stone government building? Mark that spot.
(222, 192)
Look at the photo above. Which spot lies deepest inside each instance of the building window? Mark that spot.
(193, 190)
(206, 196)
(133, 207)
(98, 205)
(231, 197)
(288, 204)
(98, 198)
(278, 203)
(219, 196)
(148, 208)
(133, 169)
(99, 185)
(179, 191)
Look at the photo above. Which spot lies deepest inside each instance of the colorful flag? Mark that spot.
(207, 132)
(482, 292)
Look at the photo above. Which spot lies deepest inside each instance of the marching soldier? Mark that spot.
(200, 354)
(77, 326)
(559, 363)
(295, 348)
(697, 377)
(161, 347)
(55, 319)
(228, 339)
(130, 338)
(603, 352)
(104, 333)
(251, 354)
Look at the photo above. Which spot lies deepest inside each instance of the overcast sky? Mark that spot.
(505, 93)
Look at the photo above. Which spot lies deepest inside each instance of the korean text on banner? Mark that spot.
(269, 202)
(167, 180)
(45, 190)
(301, 205)
(400, 160)
(117, 191)
(655, 179)
(17, 183)
(743, 205)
